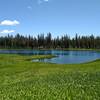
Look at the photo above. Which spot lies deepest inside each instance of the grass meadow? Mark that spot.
(22, 79)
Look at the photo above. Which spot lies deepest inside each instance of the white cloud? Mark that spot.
(46, 0)
(41, 1)
(29, 7)
(9, 23)
(7, 31)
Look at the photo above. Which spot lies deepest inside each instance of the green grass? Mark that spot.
(22, 79)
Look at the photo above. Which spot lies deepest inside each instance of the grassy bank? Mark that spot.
(21, 79)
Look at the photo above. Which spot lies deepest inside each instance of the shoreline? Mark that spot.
(64, 49)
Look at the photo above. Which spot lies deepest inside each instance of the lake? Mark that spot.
(63, 57)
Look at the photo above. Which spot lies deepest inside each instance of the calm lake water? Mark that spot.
(63, 57)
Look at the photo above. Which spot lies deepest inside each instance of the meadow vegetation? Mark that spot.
(22, 79)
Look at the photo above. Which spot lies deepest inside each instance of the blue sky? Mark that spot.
(56, 16)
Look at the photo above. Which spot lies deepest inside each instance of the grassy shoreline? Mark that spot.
(21, 79)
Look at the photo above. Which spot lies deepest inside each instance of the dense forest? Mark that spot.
(46, 42)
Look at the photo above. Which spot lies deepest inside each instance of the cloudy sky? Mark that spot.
(56, 16)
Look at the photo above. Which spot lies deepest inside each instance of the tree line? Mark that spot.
(41, 41)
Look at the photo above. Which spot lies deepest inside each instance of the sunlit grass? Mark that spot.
(22, 79)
